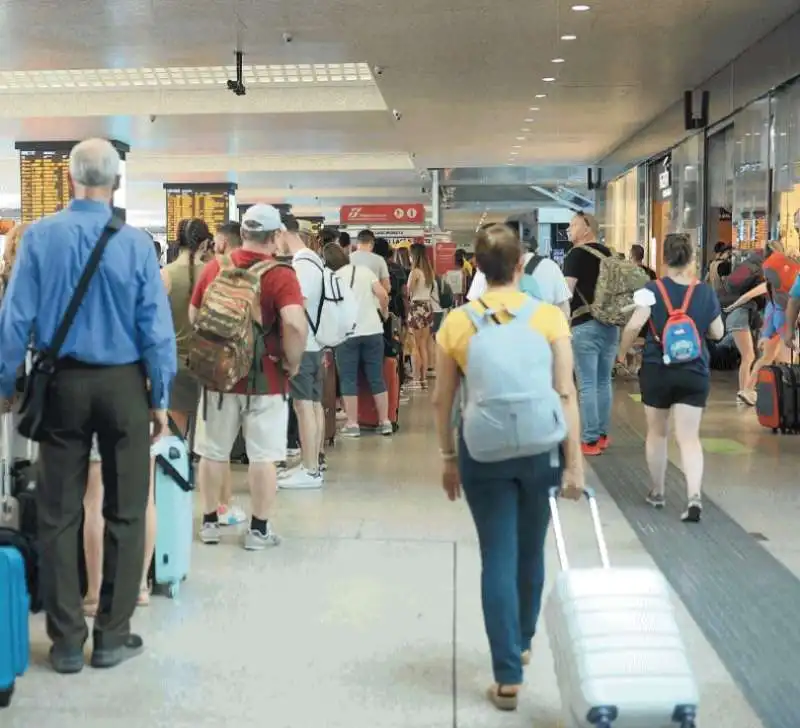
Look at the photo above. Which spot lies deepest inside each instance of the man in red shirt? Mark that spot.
(258, 403)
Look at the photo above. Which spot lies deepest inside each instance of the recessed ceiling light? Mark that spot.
(522, 139)
(569, 37)
(558, 60)
(581, 8)
(540, 96)
(528, 121)
(548, 79)
(517, 146)
(534, 108)
(525, 130)
(514, 154)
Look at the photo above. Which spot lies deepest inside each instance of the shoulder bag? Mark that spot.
(32, 420)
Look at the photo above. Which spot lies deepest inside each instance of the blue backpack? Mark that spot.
(510, 409)
(527, 283)
(680, 341)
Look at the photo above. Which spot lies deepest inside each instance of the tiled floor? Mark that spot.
(367, 615)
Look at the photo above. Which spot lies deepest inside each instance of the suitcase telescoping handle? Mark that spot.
(7, 427)
(561, 544)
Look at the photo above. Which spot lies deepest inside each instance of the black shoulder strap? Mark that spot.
(113, 226)
(352, 276)
(532, 264)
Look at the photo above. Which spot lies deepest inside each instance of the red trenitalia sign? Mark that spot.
(410, 213)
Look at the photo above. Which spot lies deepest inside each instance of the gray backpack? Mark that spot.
(511, 409)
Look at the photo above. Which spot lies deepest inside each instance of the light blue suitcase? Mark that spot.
(174, 497)
(14, 607)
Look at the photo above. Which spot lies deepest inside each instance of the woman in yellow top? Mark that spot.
(508, 499)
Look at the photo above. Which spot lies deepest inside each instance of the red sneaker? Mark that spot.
(604, 442)
(591, 449)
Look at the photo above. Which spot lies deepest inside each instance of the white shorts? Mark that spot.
(263, 418)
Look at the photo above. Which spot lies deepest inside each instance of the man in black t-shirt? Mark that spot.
(594, 344)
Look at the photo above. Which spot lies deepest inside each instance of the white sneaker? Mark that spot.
(209, 533)
(257, 541)
(341, 415)
(748, 396)
(293, 452)
(301, 479)
(231, 515)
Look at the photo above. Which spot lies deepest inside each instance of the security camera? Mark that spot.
(153, 118)
(396, 114)
(424, 191)
(378, 70)
(288, 37)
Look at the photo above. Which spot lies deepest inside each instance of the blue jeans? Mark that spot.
(366, 353)
(508, 501)
(595, 349)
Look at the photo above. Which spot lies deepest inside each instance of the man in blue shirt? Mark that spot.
(792, 312)
(121, 337)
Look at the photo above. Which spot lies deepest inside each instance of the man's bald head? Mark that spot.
(94, 164)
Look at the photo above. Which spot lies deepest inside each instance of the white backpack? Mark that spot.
(336, 314)
(511, 408)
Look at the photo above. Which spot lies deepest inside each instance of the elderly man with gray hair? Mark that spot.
(96, 372)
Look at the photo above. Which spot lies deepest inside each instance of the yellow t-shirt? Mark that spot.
(457, 329)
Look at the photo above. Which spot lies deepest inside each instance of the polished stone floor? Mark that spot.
(368, 614)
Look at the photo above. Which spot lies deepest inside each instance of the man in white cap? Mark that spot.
(257, 404)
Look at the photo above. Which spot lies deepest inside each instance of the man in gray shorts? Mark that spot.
(306, 387)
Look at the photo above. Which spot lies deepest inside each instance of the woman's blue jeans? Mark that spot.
(509, 504)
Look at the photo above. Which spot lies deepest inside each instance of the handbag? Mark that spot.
(38, 382)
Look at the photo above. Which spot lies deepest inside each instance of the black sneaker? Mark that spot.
(657, 500)
(693, 512)
(66, 660)
(323, 463)
(105, 657)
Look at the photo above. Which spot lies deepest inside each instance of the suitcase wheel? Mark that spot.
(5, 696)
(173, 590)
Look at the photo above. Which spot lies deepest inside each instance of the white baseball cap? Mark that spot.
(262, 219)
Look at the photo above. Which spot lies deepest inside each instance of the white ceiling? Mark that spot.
(464, 74)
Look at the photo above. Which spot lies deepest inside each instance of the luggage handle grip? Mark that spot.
(561, 545)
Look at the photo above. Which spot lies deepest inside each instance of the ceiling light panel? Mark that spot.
(186, 77)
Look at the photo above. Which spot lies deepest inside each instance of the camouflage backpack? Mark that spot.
(226, 333)
(617, 281)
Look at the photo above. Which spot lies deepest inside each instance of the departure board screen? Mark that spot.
(44, 182)
(211, 204)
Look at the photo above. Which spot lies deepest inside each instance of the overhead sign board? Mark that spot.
(409, 213)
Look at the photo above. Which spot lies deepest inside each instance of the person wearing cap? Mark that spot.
(258, 402)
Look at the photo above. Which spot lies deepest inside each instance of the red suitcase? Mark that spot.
(778, 398)
(367, 414)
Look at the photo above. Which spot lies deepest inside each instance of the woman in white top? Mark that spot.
(363, 350)
(421, 292)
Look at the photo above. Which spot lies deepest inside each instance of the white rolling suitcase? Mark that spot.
(619, 657)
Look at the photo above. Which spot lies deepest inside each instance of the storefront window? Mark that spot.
(719, 223)
(785, 137)
(751, 174)
(686, 215)
(660, 173)
(621, 214)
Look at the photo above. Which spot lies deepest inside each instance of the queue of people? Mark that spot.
(130, 369)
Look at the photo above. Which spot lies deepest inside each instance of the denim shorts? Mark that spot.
(738, 320)
(361, 353)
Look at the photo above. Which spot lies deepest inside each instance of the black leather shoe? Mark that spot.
(103, 657)
(66, 660)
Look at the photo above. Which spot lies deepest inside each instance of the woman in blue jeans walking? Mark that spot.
(508, 500)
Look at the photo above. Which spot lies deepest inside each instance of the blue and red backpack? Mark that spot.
(679, 340)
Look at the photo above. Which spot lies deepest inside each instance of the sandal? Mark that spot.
(90, 607)
(502, 698)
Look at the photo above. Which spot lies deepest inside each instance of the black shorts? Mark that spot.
(663, 386)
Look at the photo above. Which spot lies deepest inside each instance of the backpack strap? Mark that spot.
(352, 276)
(532, 264)
(662, 289)
(479, 318)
